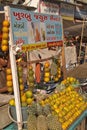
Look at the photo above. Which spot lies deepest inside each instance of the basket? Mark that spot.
(13, 117)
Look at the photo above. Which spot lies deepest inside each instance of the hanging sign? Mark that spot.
(67, 11)
(48, 7)
(34, 30)
(81, 12)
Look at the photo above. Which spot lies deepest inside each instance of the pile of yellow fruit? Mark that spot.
(70, 81)
(26, 99)
(67, 105)
(5, 36)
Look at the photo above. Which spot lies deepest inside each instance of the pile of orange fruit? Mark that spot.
(5, 36)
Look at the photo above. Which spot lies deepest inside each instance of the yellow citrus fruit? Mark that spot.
(28, 94)
(21, 87)
(5, 36)
(59, 75)
(9, 77)
(47, 74)
(4, 42)
(5, 29)
(10, 89)
(4, 48)
(59, 71)
(71, 79)
(19, 68)
(46, 79)
(6, 23)
(29, 101)
(23, 98)
(20, 80)
(12, 102)
(56, 78)
(8, 71)
(9, 84)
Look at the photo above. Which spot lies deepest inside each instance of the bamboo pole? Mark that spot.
(14, 73)
(81, 40)
(63, 55)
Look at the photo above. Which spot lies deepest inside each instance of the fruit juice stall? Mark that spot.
(36, 104)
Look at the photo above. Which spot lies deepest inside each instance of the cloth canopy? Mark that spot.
(74, 28)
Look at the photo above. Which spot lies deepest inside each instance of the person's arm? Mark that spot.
(4, 89)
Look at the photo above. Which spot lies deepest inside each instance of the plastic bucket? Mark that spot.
(12, 115)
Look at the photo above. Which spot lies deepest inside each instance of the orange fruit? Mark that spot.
(6, 23)
(8, 71)
(9, 77)
(9, 83)
(47, 64)
(5, 36)
(12, 102)
(21, 87)
(5, 29)
(4, 48)
(4, 42)
(10, 89)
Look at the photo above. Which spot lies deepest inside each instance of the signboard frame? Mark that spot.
(49, 25)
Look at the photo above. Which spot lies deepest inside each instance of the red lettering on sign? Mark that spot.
(20, 16)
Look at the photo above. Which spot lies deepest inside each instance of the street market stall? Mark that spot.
(43, 98)
(45, 36)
